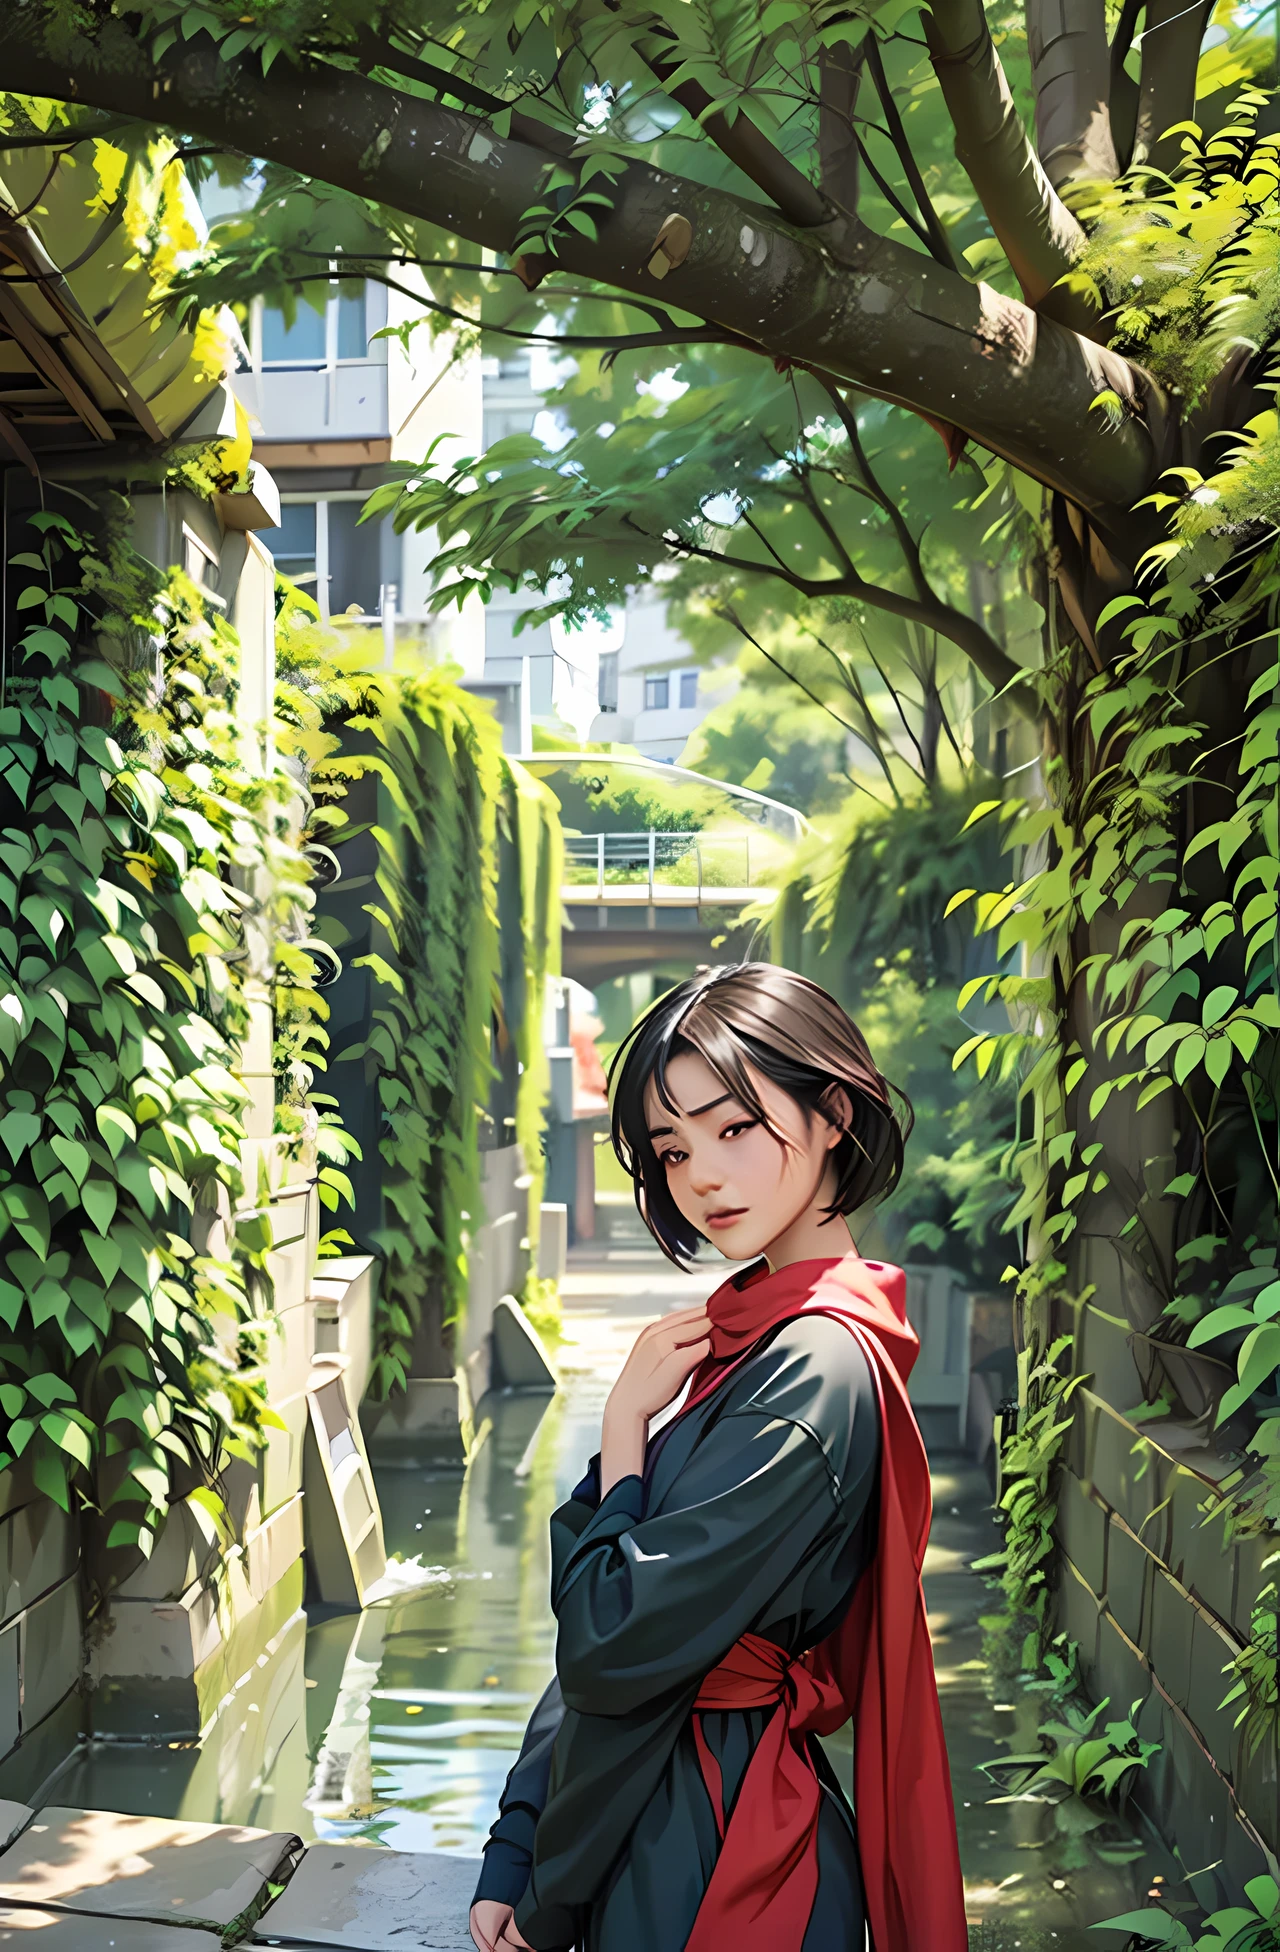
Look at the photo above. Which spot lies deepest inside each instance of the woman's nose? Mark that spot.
(704, 1175)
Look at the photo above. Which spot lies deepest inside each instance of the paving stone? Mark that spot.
(140, 1866)
(63, 1934)
(12, 1818)
(368, 1900)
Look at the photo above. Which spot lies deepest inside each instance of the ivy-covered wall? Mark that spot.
(1143, 1486)
(169, 1134)
(444, 912)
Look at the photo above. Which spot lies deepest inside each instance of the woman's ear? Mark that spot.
(837, 1108)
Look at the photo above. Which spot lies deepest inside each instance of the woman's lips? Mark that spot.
(726, 1217)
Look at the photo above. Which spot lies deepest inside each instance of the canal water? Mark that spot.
(397, 1727)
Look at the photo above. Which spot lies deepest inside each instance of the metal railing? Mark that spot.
(656, 861)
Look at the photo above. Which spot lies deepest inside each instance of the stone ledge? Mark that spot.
(368, 1900)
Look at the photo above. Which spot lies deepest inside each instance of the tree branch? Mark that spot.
(1124, 90)
(865, 308)
(871, 484)
(744, 145)
(1037, 233)
(1071, 75)
(731, 616)
(935, 233)
(891, 196)
(1167, 77)
(996, 666)
(376, 51)
(839, 78)
(872, 733)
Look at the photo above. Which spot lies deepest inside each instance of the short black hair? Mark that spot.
(745, 1017)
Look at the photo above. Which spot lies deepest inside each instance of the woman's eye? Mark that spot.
(741, 1125)
(670, 1159)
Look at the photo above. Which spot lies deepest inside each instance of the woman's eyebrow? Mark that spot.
(663, 1131)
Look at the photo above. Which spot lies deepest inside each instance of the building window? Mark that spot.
(688, 690)
(298, 344)
(353, 335)
(318, 338)
(607, 687)
(293, 544)
(657, 694)
(320, 546)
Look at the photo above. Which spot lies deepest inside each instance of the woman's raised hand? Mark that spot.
(663, 1358)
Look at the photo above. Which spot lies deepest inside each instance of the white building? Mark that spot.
(633, 683)
(331, 405)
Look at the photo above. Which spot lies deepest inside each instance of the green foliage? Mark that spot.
(862, 913)
(532, 813)
(1251, 1927)
(445, 794)
(1255, 1690)
(540, 1299)
(1083, 1777)
(616, 800)
(1191, 267)
(133, 1327)
(1018, 1632)
(1148, 1061)
(772, 739)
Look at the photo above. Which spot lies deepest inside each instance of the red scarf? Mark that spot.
(876, 1667)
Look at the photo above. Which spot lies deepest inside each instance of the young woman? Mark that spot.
(748, 1578)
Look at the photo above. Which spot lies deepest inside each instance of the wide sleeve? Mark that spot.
(646, 1606)
(508, 1855)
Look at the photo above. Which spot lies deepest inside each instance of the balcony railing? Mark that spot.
(652, 865)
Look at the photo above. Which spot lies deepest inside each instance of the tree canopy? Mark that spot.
(774, 183)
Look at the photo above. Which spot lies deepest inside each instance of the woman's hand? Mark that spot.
(664, 1356)
(489, 1922)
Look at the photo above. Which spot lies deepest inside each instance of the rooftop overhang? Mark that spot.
(87, 358)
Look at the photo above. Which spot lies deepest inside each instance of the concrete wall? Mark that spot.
(1159, 1605)
(431, 1422)
(40, 1633)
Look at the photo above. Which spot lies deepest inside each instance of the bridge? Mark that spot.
(643, 900)
(660, 899)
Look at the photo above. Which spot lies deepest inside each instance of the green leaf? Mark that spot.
(116, 1126)
(1217, 1059)
(68, 1435)
(1218, 1322)
(105, 1254)
(73, 1155)
(19, 1132)
(1264, 1895)
(50, 1475)
(1150, 1924)
(1259, 1356)
(1217, 1003)
(99, 1199)
(29, 1211)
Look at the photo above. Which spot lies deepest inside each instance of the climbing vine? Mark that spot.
(133, 1306)
(451, 991)
(1146, 1011)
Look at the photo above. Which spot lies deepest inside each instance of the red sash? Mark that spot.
(876, 1667)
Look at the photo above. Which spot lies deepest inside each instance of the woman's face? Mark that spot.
(728, 1174)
